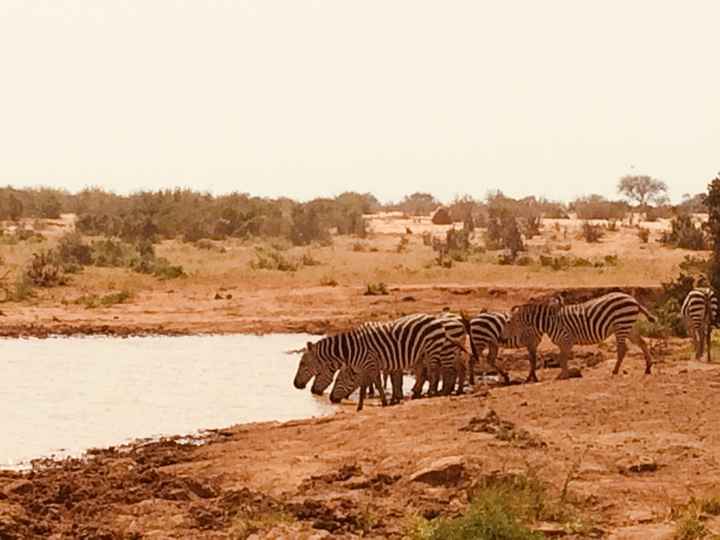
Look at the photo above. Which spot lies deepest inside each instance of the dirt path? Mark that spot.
(632, 449)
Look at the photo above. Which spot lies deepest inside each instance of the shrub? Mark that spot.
(73, 250)
(328, 281)
(644, 235)
(309, 260)
(403, 245)
(376, 289)
(499, 510)
(359, 246)
(685, 234)
(592, 233)
(93, 301)
(45, 270)
(598, 207)
(272, 260)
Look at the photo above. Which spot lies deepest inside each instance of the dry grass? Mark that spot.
(639, 264)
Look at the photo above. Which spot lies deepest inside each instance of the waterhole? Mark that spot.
(62, 396)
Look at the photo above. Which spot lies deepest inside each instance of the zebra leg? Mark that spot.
(448, 376)
(420, 371)
(471, 369)
(378, 385)
(565, 355)
(396, 379)
(434, 379)
(492, 360)
(709, 341)
(621, 350)
(461, 374)
(637, 339)
(361, 401)
(701, 342)
(532, 357)
(371, 390)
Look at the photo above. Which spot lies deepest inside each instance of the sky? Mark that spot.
(308, 98)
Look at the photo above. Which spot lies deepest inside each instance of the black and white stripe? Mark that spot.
(582, 324)
(699, 311)
(452, 364)
(486, 331)
(411, 342)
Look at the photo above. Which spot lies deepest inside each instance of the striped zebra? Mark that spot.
(486, 331)
(451, 366)
(699, 311)
(323, 360)
(413, 342)
(582, 324)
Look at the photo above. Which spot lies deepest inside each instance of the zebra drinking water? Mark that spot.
(411, 342)
(699, 311)
(582, 324)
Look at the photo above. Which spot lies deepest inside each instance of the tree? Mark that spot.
(418, 204)
(643, 189)
(713, 205)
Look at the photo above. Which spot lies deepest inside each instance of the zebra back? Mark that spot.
(699, 307)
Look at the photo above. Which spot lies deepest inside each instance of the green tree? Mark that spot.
(643, 189)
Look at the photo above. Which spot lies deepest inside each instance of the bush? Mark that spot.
(644, 235)
(73, 250)
(376, 289)
(45, 270)
(269, 259)
(498, 511)
(592, 233)
(685, 234)
(93, 301)
(598, 207)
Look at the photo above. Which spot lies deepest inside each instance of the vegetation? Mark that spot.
(685, 234)
(500, 508)
(592, 233)
(598, 207)
(643, 189)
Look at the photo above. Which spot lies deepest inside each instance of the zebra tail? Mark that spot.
(473, 349)
(650, 317)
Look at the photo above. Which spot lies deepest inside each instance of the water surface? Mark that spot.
(64, 395)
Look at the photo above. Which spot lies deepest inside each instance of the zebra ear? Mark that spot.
(514, 309)
(310, 347)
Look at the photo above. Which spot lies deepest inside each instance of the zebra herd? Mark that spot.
(433, 347)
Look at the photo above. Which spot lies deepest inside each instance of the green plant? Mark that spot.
(376, 289)
(500, 509)
(592, 233)
(328, 281)
(685, 234)
(45, 270)
(272, 260)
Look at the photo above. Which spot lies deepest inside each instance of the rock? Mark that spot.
(639, 464)
(550, 530)
(443, 472)
(441, 216)
(18, 487)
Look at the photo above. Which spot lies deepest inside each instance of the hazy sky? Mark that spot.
(309, 98)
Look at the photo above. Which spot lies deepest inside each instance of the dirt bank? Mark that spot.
(314, 310)
(629, 451)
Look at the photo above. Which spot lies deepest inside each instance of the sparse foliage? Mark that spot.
(642, 189)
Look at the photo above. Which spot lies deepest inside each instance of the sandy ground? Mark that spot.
(316, 310)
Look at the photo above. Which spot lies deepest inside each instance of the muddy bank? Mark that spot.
(628, 451)
(316, 310)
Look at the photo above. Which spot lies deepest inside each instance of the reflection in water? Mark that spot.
(61, 396)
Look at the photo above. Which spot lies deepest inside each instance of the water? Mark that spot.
(62, 396)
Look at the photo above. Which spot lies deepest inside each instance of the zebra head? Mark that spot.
(308, 368)
(323, 379)
(346, 383)
(533, 316)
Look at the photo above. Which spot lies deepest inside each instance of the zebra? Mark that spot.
(582, 324)
(486, 330)
(699, 311)
(324, 362)
(451, 366)
(411, 342)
